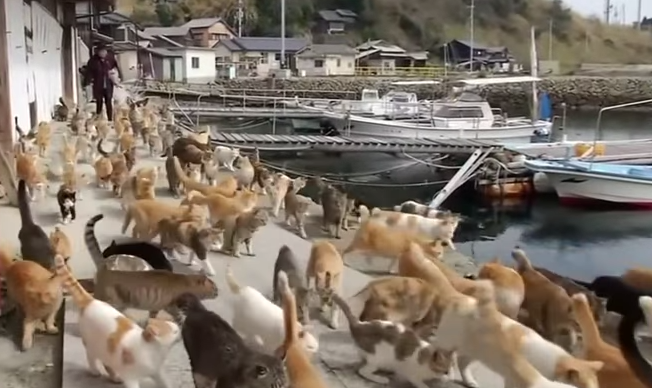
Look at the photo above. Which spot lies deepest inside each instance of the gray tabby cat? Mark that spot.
(385, 345)
(287, 262)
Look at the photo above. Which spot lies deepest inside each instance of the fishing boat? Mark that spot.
(581, 182)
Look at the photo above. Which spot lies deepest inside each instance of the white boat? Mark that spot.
(578, 182)
(393, 105)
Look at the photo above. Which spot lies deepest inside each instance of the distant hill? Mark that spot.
(427, 24)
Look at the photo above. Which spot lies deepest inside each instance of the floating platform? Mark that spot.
(250, 112)
(301, 143)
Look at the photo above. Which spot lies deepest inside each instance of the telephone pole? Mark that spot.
(607, 11)
(639, 14)
(240, 17)
(472, 35)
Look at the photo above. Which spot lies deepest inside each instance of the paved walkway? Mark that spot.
(337, 357)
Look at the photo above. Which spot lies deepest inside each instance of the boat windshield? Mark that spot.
(458, 112)
(369, 95)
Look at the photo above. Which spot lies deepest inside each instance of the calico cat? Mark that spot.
(301, 371)
(34, 242)
(35, 290)
(218, 356)
(127, 352)
(625, 300)
(177, 233)
(392, 346)
(150, 253)
(67, 198)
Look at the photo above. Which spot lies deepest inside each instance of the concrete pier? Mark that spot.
(337, 358)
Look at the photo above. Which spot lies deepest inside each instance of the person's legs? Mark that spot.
(108, 100)
(99, 102)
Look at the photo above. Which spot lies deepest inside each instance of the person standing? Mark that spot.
(98, 72)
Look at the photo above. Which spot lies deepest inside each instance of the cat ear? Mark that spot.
(150, 332)
(595, 365)
(281, 353)
(495, 260)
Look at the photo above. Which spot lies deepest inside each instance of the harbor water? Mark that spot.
(576, 242)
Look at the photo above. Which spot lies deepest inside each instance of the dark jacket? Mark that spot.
(97, 72)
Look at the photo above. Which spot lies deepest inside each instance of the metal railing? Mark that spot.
(423, 72)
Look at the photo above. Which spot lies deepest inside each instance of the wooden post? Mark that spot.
(6, 120)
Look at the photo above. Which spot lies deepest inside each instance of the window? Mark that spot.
(194, 61)
(339, 62)
(263, 58)
(319, 63)
(277, 56)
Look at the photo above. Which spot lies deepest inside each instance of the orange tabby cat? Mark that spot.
(43, 135)
(616, 371)
(61, 243)
(35, 290)
(301, 372)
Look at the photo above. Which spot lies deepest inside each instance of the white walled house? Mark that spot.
(326, 60)
(198, 64)
(37, 62)
(257, 56)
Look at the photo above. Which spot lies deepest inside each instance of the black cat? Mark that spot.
(34, 243)
(151, 253)
(218, 356)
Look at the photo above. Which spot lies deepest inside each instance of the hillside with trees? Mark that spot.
(427, 24)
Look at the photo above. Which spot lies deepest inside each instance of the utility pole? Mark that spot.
(472, 34)
(639, 15)
(240, 17)
(282, 34)
(550, 40)
(607, 11)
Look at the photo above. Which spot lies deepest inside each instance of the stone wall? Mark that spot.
(576, 92)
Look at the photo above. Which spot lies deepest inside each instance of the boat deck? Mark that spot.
(350, 144)
(617, 151)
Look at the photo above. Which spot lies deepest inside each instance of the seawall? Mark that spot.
(576, 92)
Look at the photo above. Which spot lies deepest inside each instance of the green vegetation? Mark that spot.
(427, 24)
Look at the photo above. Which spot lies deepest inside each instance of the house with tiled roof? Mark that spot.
(258, 56)
(203, 32)
(335, 21)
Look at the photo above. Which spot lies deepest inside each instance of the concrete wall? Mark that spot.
(332, 65)
(205, 72)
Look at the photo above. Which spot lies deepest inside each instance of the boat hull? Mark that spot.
(581, 189)
(360, 126)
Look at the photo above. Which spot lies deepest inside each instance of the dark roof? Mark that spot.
(319, 50)
(109, 19)
(206, 23)
(480, 46)
(165, 52)
(338, 15)
(264, 44)
(166, 31)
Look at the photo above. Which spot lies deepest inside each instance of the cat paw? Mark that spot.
(333, 325)
(250, 254)
(94, 373)
(52, 330)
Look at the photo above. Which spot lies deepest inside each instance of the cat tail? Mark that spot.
(91, 241)
(521, 259)
(230, 280)
(6, 258)
(23, 204)
(341, 303)
(100, 150)
(180, 173)
(289, 305)
(79, 295)
(630, 350)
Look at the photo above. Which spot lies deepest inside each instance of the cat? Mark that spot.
(301, 372)
(174, 183)
(148, 252)
(34, 242)
(287, 262)
(297, 207)
(394, 347)
(151, 290)
(67, 198)
(242, 231)
(259, 321)
(326, 270)
(472, 326)
(624, 300)
(61, 243)
(218, 356)
(127, 352)
(152, 254)
(617, 370)
(35, 290)
(176, 233)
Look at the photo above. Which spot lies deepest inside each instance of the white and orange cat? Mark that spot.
(113, 342)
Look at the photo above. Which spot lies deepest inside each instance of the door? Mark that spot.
(47, 62)
(173, 69)
(16, 56)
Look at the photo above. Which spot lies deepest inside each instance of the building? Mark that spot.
(333, 22)
(325, 60)
(193, 65)
(46, 33)
(385, 58)
(254, 56)
(458, 52)
(204, 32)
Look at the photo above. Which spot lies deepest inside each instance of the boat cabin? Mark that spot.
(466, 110)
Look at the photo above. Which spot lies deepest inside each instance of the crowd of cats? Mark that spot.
(425, 323)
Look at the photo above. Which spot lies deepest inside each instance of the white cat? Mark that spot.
(225, 156)
(389, 346)
(259, 321)
(113, 342)
(474, 328)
